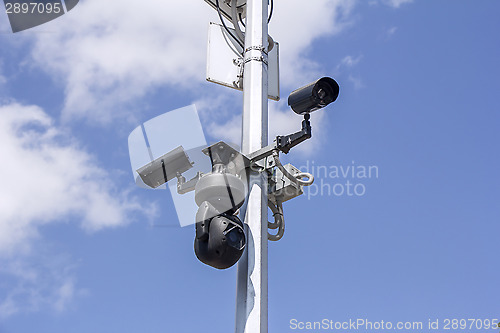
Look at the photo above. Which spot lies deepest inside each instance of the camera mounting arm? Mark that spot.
(287, 142)
(284, 143)
(184, 186)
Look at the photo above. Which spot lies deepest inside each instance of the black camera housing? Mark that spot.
(220, 240)
(220, 235)
(314, 96)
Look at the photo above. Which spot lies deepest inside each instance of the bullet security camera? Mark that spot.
(314, 96)
(165, 168)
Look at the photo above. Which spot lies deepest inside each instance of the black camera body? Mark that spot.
(220, 239)
(314, 96)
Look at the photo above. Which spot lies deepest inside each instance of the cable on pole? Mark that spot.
(271, 11)
(225, 26)
(234, 17)
(294, 178)
(269, 39)
(279, 221)
(241, 20)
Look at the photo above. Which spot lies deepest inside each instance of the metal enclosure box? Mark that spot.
(224, 63)
(281, 187)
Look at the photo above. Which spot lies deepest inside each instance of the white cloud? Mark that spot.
(356, 81)
(229, 131)
(3, 79)
(108, 56)
(346, 64)
(4, 23)
(41, 281)
(64, 295)
(45, 181)
(110, 53)
(396, 3)
(296, 25)
(220, 116)
(391, 31)
(349, 61)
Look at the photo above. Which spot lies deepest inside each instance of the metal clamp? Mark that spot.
(239, 78)
(260, 48)
(260, 59)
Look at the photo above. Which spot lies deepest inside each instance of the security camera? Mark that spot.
(220, 235)
(165, 168)
(303, 101)
(314, 96)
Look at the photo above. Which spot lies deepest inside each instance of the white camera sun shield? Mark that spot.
(165, 168)
(177, 138)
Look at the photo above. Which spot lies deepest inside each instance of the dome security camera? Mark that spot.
(220, 235)
(314, 96)
(220, 240)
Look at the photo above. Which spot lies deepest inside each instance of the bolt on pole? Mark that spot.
(252, 282)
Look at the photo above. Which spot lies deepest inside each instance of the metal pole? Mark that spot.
(251, 292)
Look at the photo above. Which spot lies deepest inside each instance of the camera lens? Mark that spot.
(314, 96)
(321, 93)
(324, 93)
(235, 238)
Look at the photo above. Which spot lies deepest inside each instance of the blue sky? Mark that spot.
(79, 250)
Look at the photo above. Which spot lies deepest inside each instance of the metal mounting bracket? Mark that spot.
(222, 153)
(238, 83)
(261, 59)
(184, 186)
(260, 48)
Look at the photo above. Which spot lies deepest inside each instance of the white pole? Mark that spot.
(251, 292)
